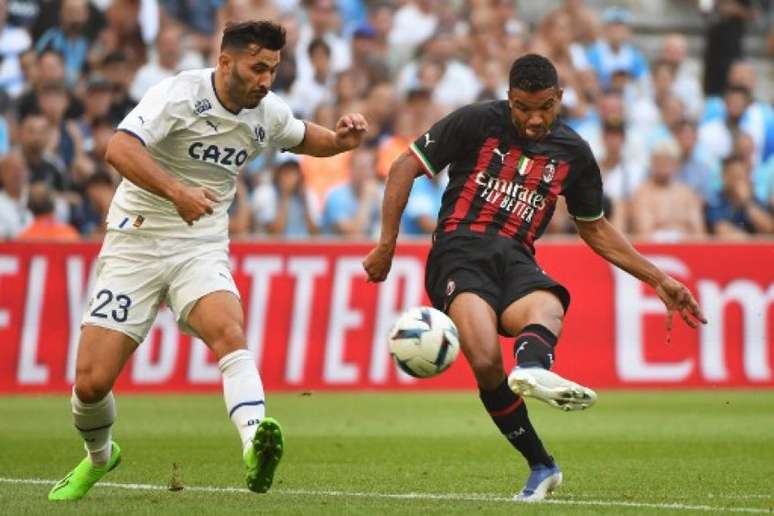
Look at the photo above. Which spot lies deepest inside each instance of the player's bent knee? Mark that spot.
(91, 388)
(488, 370)
(229, 337)
(549, 314)
(233, 334)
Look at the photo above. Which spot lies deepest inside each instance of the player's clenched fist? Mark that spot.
(378, 262)
(350, 130)
(194, 202)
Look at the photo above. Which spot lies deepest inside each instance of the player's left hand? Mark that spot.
(378, 262)
(677, 297)
(350, 130)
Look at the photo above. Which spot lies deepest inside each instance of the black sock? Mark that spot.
(534, 346)
(509, 413)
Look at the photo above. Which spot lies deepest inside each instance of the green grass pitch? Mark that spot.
(430, 453)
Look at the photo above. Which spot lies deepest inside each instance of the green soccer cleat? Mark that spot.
(263, 456)
(77, 483)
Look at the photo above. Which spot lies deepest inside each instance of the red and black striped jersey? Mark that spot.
(501, 183)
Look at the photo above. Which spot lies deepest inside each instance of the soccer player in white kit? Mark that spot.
(179, 152)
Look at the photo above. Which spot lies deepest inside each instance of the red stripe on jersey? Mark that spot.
(562, 169)
(469, 189)
(490, 209)
(532, 181)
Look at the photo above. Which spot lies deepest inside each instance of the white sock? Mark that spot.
(243, 393)
(94, 422)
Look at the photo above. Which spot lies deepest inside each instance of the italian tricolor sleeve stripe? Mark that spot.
(589, 219)
(429, 172)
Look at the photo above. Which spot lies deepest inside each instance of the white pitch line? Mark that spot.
(739, 496)
(473, 497)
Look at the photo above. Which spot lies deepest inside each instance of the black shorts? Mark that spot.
(499, 270)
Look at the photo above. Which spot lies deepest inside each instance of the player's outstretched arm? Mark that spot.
(611, 245)
(396, 192)
(133, 161)
(322, 142)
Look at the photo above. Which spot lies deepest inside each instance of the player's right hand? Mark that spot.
(194, 202)
(378, 262)
(677, 297)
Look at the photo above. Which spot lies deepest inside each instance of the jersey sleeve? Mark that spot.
(446, 141)
(584, 195)
(287, 131)
(156, 115)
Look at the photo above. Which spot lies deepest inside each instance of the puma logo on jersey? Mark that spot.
(214, 154)
(142, 120)
(428, 141)
(502, 156)
(212, 124)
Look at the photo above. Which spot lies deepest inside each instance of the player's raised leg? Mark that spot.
(218, 319)
(476, 322)
(536, 321)
(102, 354)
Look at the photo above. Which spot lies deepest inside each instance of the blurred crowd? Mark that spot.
(685, 148)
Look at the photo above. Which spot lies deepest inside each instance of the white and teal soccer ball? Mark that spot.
(424, 342)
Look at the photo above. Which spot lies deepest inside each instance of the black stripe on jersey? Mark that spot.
(502, 216)
(492, 169)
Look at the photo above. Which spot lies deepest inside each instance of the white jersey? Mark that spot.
(193, 137)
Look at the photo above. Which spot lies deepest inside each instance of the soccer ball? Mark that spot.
(424, 342)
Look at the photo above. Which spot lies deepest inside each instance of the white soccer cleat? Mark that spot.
(542, 481)
(551, 388)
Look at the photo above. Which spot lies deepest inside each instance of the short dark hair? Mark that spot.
(318, 43)
(100, 177)
(102, 121)
(115, 57)
(731, 159)
(265, 34)
(614, 125)
(53, 87)
(49, 50)
(738, 88)
(33, 111)
(685, 122)
(40, 201)
(532, 72)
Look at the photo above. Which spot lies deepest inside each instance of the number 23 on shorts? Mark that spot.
(104, 298)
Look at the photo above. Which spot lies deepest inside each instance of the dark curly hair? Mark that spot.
(265, 34)
(532, 72)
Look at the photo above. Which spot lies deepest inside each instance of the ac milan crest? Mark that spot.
(549, 171)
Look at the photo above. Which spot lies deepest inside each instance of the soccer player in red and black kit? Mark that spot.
(508, 161)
